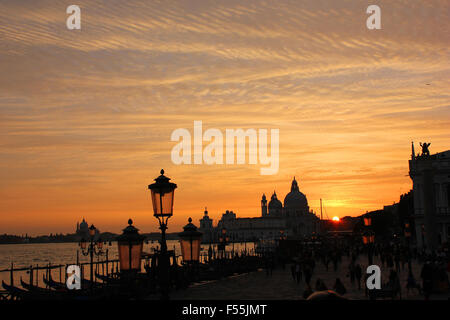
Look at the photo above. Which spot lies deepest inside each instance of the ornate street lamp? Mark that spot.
(190, 241)
(162, 193)
(130, 244)
(93, 249)
(223, 239)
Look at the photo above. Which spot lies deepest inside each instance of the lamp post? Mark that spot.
(223, 239)
(162, 193)
(93, 249)
(368, 238)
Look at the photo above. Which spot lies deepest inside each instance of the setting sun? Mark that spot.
(336, 219)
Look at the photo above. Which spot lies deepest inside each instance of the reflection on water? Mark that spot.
(26, 255)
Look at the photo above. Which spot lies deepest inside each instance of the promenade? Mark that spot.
(281, 286)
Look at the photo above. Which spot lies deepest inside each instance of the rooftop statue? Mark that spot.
(425, 151)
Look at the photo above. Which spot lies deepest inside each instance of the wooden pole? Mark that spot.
(107, 261)
(12, 274)
(31, 275)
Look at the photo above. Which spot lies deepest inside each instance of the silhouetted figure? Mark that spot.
(293, 272)
(308, 275)
(339, 287)
(320, 285)
(298, 272)
(308, 291)
(427, 279)
(351, 271)
(412, 284)
(425, 150)
(358, 274)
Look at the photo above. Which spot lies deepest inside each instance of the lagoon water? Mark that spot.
(25, 255)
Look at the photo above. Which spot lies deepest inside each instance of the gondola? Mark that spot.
(58, 286)
(23, 294)
(112, 278)
(33, 288)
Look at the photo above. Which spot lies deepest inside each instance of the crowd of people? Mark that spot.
(398, 259)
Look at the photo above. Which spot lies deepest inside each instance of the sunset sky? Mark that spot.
(86, 115)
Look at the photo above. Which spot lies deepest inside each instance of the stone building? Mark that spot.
(431, 187)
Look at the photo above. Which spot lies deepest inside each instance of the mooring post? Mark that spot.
(107, 261)
(12, 274)
(82, 273)
(37, 275)
(31, 275)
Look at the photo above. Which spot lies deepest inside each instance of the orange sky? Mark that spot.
(86, 115)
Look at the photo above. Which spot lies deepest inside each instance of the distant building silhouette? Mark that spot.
(83, 230)
(294, 218)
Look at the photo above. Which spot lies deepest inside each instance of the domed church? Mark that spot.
(293, 217)
(295, 210)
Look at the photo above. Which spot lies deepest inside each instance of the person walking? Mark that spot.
(358, 274)
(339, 287)
(427, 279)
(351, 272)
(298, 272)
(308, 275)
(293, 272)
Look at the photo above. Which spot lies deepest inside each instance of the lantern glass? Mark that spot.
(125, 250)
(92, 230)
(371, 239)
(367, 222)
(190, 242)
(130, 244)
(365, 239)
(83, 244)
(99, 244)
(190, 249)
(162, 202)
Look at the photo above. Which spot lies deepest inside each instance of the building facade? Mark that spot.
(431, 187)
(293, 219)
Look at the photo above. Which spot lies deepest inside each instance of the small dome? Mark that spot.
(274, 202)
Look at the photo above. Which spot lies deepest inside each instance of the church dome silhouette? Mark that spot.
(295, 200)
(274, 202)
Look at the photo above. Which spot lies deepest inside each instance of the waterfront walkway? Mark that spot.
(281, 285)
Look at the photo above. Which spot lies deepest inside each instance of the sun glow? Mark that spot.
(336, 219)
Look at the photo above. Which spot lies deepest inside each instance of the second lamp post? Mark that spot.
(162, 192)
(93, 249)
